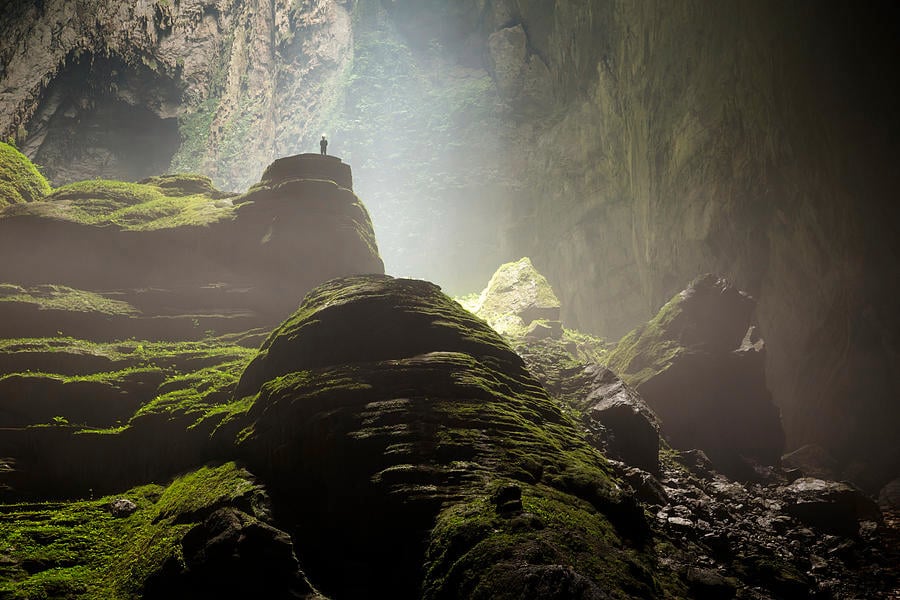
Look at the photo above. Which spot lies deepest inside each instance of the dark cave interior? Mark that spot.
(103, 117)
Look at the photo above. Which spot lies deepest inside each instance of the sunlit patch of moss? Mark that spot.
(60, 297)
(585, 347)
(204, 488)
(647, 351)
(20, 180)
(158, 204)
(110, 377)
(198, 394)
(78, 549)
(177, 356)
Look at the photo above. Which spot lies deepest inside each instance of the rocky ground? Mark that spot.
(769, 530)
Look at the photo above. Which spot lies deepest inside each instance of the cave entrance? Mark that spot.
(103, 117)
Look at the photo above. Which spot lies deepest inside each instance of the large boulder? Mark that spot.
(20, 181)
(416, 456)
(831, 506)
(516, 296)
(232, 554)
(631, 429)
(699, 364)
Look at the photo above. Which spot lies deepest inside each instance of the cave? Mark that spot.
(587, 299)
(104, 117)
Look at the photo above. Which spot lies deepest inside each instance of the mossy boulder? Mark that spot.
(699, 364)
(381, 408)
(515, 297)
(20, 180)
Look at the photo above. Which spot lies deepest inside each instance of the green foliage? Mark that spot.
(20, 180)
(78, 549)
(159, 204)
(473, 547)
(198, 394)
(60, 297)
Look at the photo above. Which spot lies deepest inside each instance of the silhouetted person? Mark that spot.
(323, 146)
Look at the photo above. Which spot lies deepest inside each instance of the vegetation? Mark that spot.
(188, 380)
(20, 180)
(78, 549)
(198, 394)
(647, 350)
(161, 203)
(60, 297)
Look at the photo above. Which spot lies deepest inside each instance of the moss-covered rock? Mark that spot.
(700, 365)
(187, 258)
(156, 203)
(80, 416)
(80, 549)
(382, 406)
(516, 296)
(20, 181)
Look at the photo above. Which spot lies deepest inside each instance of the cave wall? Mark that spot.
(245, 78)
(751, 139)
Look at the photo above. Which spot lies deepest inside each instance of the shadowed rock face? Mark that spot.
(699, 366)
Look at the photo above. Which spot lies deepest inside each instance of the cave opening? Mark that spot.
(105, 117)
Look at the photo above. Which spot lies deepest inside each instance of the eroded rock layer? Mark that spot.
(173, 258)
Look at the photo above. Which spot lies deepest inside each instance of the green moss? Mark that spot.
(647, 350)
(199, 394)
(20, 180)
(179, 356)
(77, 549)
(159, 204)
(60, 297)
(204, 488)
(196, 379)
(585, 347)
(473, 549)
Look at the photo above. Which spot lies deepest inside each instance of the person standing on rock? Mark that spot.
(323, 145)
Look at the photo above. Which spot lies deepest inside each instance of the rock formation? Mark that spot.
(111, 260)
(752, 139)
(699, 365)
(515, 297)
(626, 147)
(392, 444)
(384, 406)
